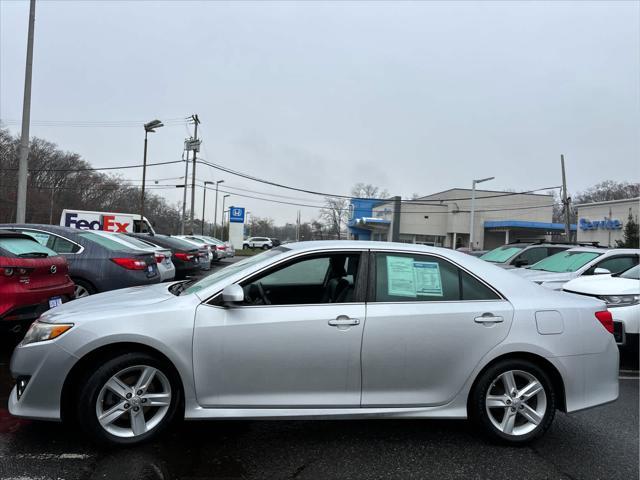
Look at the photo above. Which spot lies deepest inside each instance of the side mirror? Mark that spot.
(601, 271)
(520, 263)
(232, 294)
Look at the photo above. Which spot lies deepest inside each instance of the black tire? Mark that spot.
(245, 246)
(95, 380)
(477, 404)
(265, 247)
(83, 284)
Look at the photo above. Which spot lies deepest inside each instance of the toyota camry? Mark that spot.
(342, 329)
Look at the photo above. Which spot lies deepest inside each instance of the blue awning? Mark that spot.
(547, 227)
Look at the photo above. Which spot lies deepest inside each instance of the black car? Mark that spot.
(183, 254)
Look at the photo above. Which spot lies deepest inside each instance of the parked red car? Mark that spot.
(33, 279)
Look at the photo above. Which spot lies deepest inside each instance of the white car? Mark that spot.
(554, 271)
(621, 292)
(166, 269)
(258, 242)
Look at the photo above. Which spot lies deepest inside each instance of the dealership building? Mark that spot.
(604, 222)
(444, 218)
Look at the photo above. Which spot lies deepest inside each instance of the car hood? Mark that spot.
(603, 285)
(540, 276)
(122, 299)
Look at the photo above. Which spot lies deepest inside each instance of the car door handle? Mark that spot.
(343, 320)
(488, 318)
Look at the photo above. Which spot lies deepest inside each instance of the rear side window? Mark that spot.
(23, 247)
(62, 245)
(424, 278)
(105, 242)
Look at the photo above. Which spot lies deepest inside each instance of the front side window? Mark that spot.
(322, 278)
(531, 256)
(615, 264)
(567, 261)
(404, 277)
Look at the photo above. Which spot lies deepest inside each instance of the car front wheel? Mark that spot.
(128, 399)
(513, 401)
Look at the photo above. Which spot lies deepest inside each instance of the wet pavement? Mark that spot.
(594, 444)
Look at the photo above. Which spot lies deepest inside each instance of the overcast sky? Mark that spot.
(413, 97)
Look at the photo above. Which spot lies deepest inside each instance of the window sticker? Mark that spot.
(401, 280)
(428, 279)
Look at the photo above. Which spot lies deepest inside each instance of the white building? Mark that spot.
(604, 222)
(443, 219)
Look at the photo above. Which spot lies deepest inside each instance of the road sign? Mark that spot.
(236, 214)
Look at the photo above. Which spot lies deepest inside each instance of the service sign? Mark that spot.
(605, 224)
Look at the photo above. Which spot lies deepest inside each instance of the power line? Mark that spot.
(93, 169)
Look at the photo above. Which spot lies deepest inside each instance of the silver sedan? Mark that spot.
(321, 330)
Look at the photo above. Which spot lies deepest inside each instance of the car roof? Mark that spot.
(362, 245)
(604, 250)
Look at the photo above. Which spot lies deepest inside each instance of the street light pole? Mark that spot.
(23, 165)
(473, 208)
(223, 202)
(148, 127)
(215, 215)
(204, 203)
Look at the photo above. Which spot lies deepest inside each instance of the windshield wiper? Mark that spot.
(178, 288)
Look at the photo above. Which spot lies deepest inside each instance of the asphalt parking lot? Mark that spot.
(594, 444)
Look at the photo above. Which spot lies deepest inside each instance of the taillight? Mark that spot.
(130, 263)
(15, 271)
(221, 247)
(185, 257)
(159, 258)
(606, 319)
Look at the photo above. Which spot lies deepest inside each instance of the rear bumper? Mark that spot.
(30, 304)
(589, 380)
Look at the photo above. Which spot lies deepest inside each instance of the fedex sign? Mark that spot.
(97, 221)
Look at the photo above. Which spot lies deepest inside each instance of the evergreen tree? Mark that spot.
(630, 239)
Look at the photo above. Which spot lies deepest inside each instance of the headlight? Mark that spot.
(40, 331)
(620, 300)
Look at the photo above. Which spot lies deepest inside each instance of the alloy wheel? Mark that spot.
(133, 401)
(79, 291)
(516, 402)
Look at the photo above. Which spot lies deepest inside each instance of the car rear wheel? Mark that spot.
(82, 289)
(265, 247)
(129, 399)
(514, 401)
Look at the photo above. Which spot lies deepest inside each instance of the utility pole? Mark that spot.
(204, 203)
(566, 203)
(23, 166)
(224, 198)
(473, 208)
(184, 194)
(215, 214)
(196, 146)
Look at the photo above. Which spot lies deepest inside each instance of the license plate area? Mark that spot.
(55, 302)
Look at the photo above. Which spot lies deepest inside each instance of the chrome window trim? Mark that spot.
(49, 233)
(287, 258)
(490, 287)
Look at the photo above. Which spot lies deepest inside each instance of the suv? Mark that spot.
(554, 271)
(521, 254)
(258, 242)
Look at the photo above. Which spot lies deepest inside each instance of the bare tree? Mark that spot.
(366, 190)
(335, 214)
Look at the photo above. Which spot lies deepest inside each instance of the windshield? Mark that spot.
(23, 247)
(567, 261)
(502, 254)
(633, 273)
(233, 268)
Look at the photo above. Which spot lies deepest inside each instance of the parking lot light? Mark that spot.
(473, 207)
(148, 128)
(204, 203)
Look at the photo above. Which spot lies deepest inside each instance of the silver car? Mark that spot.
(337, 329)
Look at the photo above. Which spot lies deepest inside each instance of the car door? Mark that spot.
(614, 263)
(294, 342)
(429, 323)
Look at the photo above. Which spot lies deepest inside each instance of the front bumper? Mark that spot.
(47, 365)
